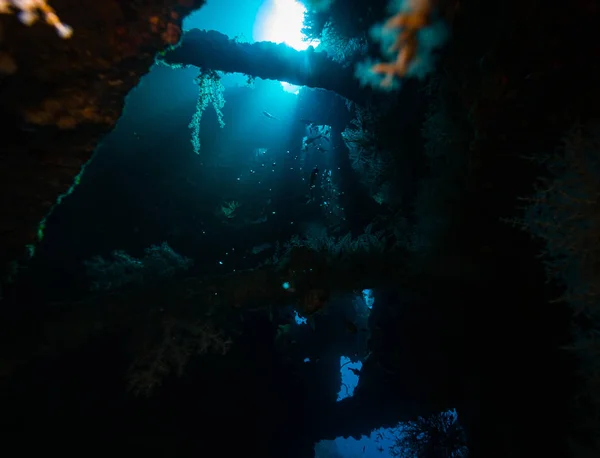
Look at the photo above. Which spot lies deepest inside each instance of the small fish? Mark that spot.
(269, 115)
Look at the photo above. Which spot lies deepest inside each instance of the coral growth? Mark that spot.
(159, 261)
(319, 241)
(210, 91)
(367, 157)
(565, 214)
(228, 209)
(177, 344)
(408, 40)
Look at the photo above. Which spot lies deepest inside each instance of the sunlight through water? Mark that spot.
(282, 23)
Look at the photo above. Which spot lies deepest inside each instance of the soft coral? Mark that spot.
(414, 16)
(29, 12)
(407, 39)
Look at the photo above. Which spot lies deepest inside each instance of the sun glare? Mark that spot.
(282, 22)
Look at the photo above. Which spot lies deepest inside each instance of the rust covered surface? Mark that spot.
(59, 97)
